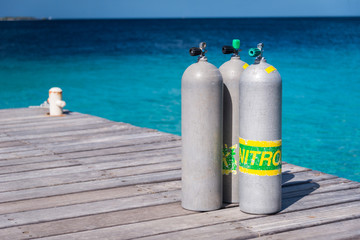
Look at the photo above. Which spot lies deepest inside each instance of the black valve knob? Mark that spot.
(228, 49)
(194, 51)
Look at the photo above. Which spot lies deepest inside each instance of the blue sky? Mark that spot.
(177, 8)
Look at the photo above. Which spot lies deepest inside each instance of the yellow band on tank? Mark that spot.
(245, 66)
(270, 69)
(253, 143)
(260, 172)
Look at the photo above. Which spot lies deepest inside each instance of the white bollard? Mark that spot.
(56, 102)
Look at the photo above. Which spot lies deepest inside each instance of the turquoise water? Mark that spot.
(130, 71)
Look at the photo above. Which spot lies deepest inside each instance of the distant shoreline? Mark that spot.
(23, 19)
(173, 18)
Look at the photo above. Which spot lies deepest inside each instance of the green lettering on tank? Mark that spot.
(260, 158)
(229, 164)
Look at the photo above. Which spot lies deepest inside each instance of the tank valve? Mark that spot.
(194, 51)
(56, 103)
(257, 52)
(232, 49)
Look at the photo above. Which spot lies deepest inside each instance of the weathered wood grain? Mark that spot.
(272, 224)
(118, 173)
(49, 129)
(179, 223)
(23, 154)
(81, 173)
(46, 121)
(303, 219)
(12, 143)
(22, 113)
(142, 145)
(107, 135)
(38, 215)
(338, 230)
(90, 208)
(158, 226)
(85, 177)
(90, 185)
(44, 116)
(168, 164)
(33, 137)
(94, 157)
(61, 162)
(132, 145)
(88, 196)
(93, 221)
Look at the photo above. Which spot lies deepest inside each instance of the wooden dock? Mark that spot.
(85, 177)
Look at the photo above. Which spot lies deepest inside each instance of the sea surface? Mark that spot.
(130, 71)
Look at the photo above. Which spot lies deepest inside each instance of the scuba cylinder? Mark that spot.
(201, 113)
(231, 72)
(260, 137)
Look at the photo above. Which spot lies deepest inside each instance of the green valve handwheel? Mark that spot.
(232, 49)
(254, 52)
(236, 44)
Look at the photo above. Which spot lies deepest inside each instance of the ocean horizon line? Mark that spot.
(50, 18)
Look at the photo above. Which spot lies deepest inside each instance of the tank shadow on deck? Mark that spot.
(291, 191)
(286, 176)
(298, 190)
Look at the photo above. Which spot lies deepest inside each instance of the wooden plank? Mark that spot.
(113, 142)
(87, 197)
(320, 199)
(77, 210)
(178, 198)
(161, 226)
(269, 224)
(71, 178)
(44, 120)
(338, 230)
(303, 219)
(44, 117)
(30, 159)
(99, 136)
(293, 168)
(22, 113)
(101, 220)
(25, 153)
(95, 175)
(57, 129)
(12, 143)
(14, 149)
(35, 166)
(303, 177)
(156, 226)
(53, 163)
(31, 137)
(141, 166)
(206, 232)
(104, 170)
(91, 158)
(333, 184)
(90, 185)
(97, 195)
(130, 145)
(46, 185)
(63, 126)
(70, 140)
(146, 165)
